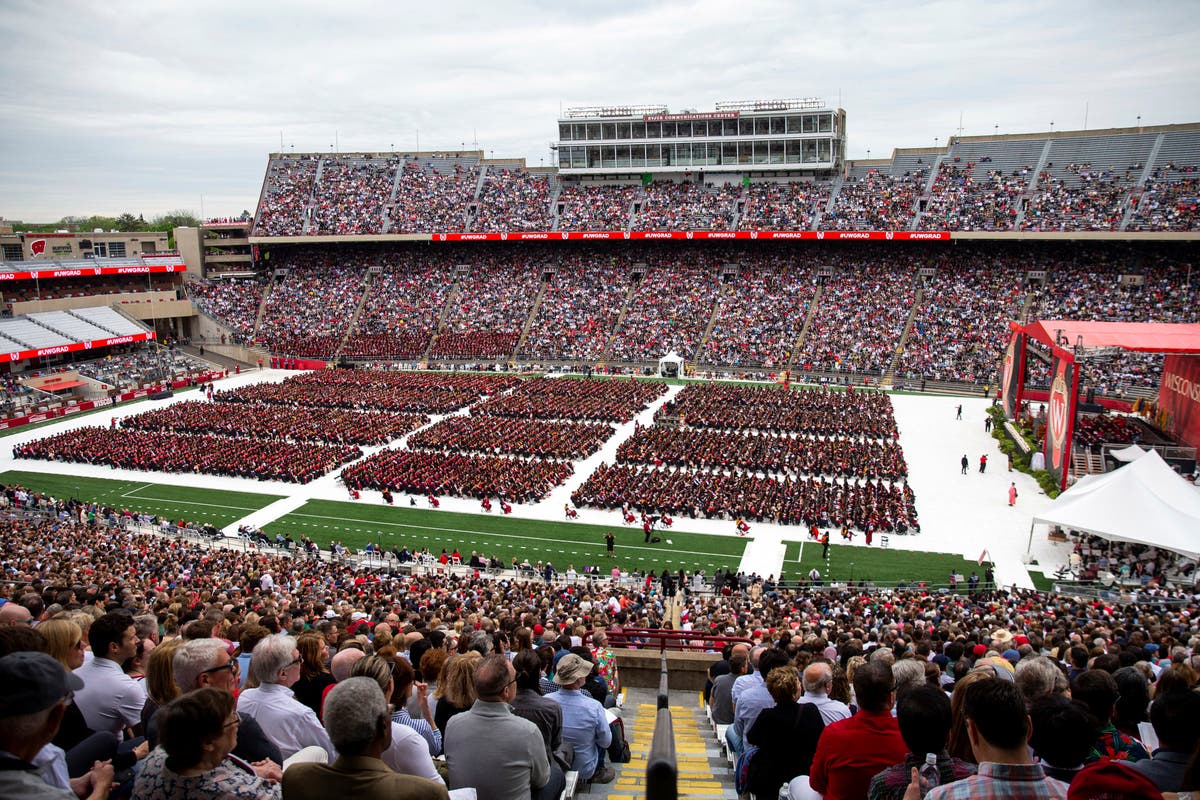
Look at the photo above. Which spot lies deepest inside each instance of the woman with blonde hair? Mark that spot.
(66, 641)
(456, 688)
(160, 678)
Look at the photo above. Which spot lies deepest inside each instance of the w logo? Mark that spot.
(504, 237)
(442, 237)
(820, 234)
(889, 235)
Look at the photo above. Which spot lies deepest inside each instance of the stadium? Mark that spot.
(704, 350)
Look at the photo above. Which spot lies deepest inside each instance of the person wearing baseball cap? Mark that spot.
(584, 723)
(36, 691)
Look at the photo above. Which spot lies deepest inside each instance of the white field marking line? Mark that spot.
(492, 533)
(132, 494)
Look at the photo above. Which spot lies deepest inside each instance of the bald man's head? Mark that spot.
(13, 613)
(818, 677)
(341, 663)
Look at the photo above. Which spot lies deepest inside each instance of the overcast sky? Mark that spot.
(149, 107)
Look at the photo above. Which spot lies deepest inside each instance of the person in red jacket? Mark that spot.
(851, 751)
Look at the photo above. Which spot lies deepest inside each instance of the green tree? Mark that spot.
(128, 222)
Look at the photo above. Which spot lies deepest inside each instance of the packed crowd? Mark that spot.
(1166, 205)
(235, 302)
(1095, 203)
(284, 208)
(788, 206)
(348, 194)
(499, 435)
(958, 331)
(575, 400)
(513, 200)
(490, 308)
(869, 506)
(813, 412)
(458, 475)
(430, 200)
(402, 307)
(595, 207)
(759, 318)
(967, 197)
(413, 392)
(668, 311)
(291, 423)
(1096, 559)
(141, 365)
(671, 206)
(953, 675)
(1095, 429)
(578, 311)
(176, 452)
(859, 319)
(875, 202)
(764, 453)
(962, 318)
(308, 312)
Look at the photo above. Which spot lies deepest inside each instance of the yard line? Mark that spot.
(137, 489)
(190, 503)
(597, 545)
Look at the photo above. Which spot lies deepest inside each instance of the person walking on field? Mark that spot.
(1012, 494)
(983, 463)
(965, 464)
(959, 411)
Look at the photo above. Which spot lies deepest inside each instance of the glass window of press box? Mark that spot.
(696, 154)
(781, 125)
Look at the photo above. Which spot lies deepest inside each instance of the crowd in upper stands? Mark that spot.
(720, 304)
(346, 194)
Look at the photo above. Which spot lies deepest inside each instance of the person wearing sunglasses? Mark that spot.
(290, 724)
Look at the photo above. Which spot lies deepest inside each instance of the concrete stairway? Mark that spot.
(704, 773)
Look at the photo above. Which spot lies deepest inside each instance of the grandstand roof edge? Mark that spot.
(1181, 126)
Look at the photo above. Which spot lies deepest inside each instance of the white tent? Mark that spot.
(670, 365)
(1145, 502)
(1127, 454)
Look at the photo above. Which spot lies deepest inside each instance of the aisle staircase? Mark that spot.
(704, 773)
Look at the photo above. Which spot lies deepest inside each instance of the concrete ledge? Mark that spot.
(688, 670)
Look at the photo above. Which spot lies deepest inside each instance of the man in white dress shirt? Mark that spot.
(818, 680)
(288, 723)
(110, 700)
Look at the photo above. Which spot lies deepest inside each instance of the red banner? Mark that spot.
(577, 236)
(89, 272)
(1179, 396)
(1060, 422)
(1011, 369)
(75, 347)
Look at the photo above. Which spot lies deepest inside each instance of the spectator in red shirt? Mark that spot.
(852, 750)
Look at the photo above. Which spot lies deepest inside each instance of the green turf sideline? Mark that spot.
(215, 506)
(883, 565)
(562, 543)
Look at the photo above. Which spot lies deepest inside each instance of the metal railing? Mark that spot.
(662, 770)
(664, 640)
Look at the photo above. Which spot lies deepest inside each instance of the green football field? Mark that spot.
(189, 503)
(561, 543)
(879, 564)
